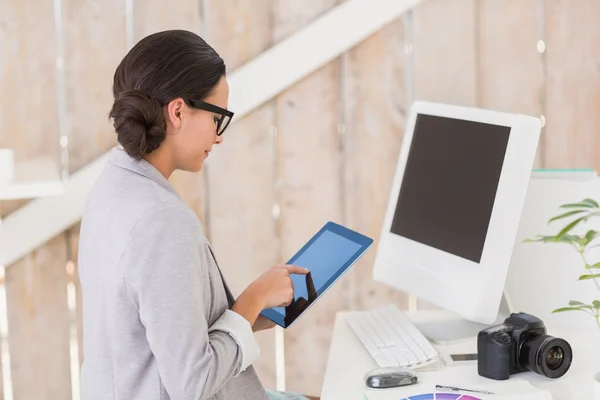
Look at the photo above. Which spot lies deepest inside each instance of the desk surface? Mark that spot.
(348, 362)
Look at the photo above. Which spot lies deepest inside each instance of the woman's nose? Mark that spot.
(219, 139)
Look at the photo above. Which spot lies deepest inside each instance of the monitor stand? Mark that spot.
(453, 331)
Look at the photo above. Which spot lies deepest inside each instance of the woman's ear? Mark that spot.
(174, 112)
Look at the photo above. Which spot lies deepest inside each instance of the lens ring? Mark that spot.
(554, 357)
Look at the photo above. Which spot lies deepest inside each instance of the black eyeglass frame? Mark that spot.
(202, 105)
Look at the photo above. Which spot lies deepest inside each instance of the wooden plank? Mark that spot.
(241, 170)
(27, 73)
(309, 190)
(444, 56)
(573, 84)
(150, 16)
(444, 39)
(292, 16)
(92, 53)
(374, 114)
(35, 286)
(510, 67)
(38, 323)
(238, 30)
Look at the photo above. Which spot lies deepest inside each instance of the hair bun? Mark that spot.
(139, 122)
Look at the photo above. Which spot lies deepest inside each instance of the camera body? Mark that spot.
(521, 344)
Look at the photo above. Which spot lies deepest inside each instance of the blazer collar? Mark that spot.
(121, 159)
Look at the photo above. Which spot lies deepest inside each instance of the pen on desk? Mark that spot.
(457, 389)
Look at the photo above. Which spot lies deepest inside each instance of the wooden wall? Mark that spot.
(325, 149)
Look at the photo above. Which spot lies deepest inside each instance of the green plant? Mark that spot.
(581, 212)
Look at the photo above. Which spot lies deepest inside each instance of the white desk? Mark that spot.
(348, 362)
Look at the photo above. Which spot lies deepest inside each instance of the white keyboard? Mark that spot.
(391, 338)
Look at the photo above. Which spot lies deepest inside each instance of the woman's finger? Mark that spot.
(294, 269)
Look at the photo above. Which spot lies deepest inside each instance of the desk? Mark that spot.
(348, 361)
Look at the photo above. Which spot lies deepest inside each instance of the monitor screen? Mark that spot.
(449, 184)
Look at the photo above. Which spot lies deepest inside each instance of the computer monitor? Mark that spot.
(455, 205)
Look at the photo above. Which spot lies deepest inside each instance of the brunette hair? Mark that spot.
(159, 68)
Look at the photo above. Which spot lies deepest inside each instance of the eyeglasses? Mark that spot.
(222, 122)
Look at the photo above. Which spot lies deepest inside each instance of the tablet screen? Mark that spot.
(327, 256)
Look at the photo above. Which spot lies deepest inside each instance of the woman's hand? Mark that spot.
(262, 324)
(274, 288)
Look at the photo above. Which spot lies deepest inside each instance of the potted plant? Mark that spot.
(576, 214)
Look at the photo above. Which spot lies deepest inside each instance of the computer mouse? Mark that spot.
(389, 377)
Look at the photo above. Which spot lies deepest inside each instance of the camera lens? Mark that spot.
(555, 358)
(547, 355)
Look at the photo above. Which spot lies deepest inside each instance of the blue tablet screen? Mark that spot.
(322, 262)
(327, 255)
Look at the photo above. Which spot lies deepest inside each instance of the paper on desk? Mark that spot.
(507, 390)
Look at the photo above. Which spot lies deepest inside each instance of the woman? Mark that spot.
(158, 320)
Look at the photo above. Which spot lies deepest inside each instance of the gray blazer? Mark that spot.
(157, 323)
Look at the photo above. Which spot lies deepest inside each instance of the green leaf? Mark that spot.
(596, 304)
(577, 205)
(563, 309)
(535, 239)
(568, 228)
(569, 238)
(597, 265)
(583, 204)
(591, 235)
(539, 238)
(554, 239)
(567, 214)
(592, 202)
(580, 305)
(589, 276)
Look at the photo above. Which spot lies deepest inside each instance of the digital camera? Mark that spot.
(521, 344)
